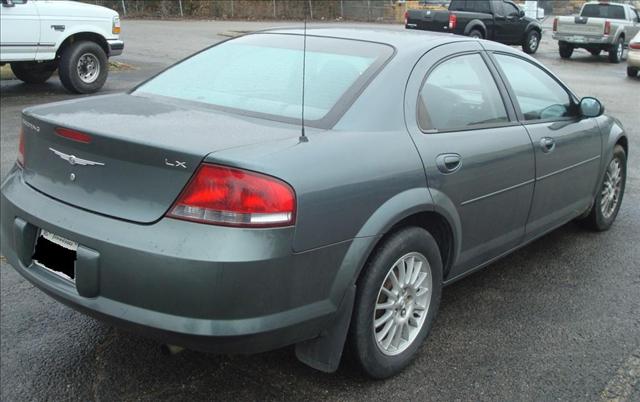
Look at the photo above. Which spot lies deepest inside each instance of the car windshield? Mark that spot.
(603, 11)
(261, 75)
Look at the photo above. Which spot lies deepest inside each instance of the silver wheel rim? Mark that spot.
(620, 49)
(88, 68)
(610, 196)
(402, 304)
(476, 36)
(533, 42)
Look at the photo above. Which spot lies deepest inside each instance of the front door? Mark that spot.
(478, 159)
(19, 30)
(567, 147)
(511, 27)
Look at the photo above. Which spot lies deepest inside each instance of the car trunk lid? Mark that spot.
(140, 154)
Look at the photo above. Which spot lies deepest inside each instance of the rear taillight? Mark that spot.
(607, 27)
(555, 24)
(221, 195)
(406, 18)
(634, 45)
(453, 21)
(20, 159)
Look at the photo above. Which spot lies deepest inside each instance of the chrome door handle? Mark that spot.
(448, 163)
(547, 144)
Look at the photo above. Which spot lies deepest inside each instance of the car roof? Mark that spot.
(398, 38)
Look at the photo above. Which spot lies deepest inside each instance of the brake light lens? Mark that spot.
(555, 24)
(634, 45)
(607, 27)
(20, 158)
(73, 135)
(221, 195)
(453, 21)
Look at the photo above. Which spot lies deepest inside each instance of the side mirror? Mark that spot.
(591, 107)
(8, 3)
(521, 14)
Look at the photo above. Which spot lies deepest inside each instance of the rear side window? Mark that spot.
(261, 75)
(539, 96)
(603, 11)
(458, 94)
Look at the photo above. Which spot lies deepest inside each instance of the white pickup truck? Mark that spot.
(39, 36)
(601, 26)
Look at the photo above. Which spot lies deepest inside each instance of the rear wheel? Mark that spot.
(531, 42)
(396, 302)
(33, 72)
(83, 67)
(476, 33)
(632, 71)
(565, 49)
(616, 51)
(609, 197)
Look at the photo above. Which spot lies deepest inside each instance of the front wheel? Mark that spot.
(531, 42)
(397, 298)
(609, 197)
(616, 51)
(565, 49)
(33, 72)
(83, 67)
(632, 71)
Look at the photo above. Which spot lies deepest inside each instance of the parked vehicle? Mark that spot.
(195, 209)
(601, 26)
(633, 59)
(498, 20)
(39, 36)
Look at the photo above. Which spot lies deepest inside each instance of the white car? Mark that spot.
(39, 36)
(633, 57)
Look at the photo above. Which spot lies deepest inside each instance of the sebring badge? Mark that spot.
(74, 160)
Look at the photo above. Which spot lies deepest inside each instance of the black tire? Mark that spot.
(632, 71)
(364, 348)
(595, 52)
(32, 72)
(476, 33)
(596, 220)
(616, 51)
(531, 42)
(565, 49)
(69, 72)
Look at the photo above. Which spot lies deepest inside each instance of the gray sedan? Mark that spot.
(197, 210)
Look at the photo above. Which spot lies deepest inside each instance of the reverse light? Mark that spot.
(20, 158)
(453, 21)
(555, 24)
(73, 135)
(115, 25)
(221, 195)
(607, 27)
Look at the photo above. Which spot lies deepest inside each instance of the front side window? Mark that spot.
(539, 96)
(261, 75)
(458, 94)
(510, 10)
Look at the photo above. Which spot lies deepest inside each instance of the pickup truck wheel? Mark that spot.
(531, 42)
(565, 49)
(632, 71)
(609, 197)
(83, 67)
(616, 51)
(32, 72)
(397, 298)
(477, 34)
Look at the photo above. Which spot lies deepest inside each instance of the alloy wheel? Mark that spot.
(611, 189)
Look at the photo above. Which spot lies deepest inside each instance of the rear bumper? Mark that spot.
(633, 58)
(116, 47)
(209, 288)
(578, 40)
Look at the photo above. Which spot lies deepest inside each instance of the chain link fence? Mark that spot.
(357, 10)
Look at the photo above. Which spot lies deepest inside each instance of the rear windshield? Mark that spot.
(261, 75)
(603, 11)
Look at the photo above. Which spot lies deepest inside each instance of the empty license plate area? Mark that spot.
(56, 254)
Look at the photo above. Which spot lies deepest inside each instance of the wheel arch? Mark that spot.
(476, 24)
(84, 35)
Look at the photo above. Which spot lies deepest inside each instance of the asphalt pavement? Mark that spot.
(557, 320)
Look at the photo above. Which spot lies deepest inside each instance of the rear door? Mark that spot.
(19, 31)
(478, 159)
(567, 146)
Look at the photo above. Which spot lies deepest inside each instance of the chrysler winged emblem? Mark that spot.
(74, 160)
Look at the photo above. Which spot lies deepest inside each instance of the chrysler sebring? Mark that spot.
(195, 209)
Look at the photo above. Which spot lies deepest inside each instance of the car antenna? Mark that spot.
(303, 136)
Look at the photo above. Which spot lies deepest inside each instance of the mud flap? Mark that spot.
(324, 352)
